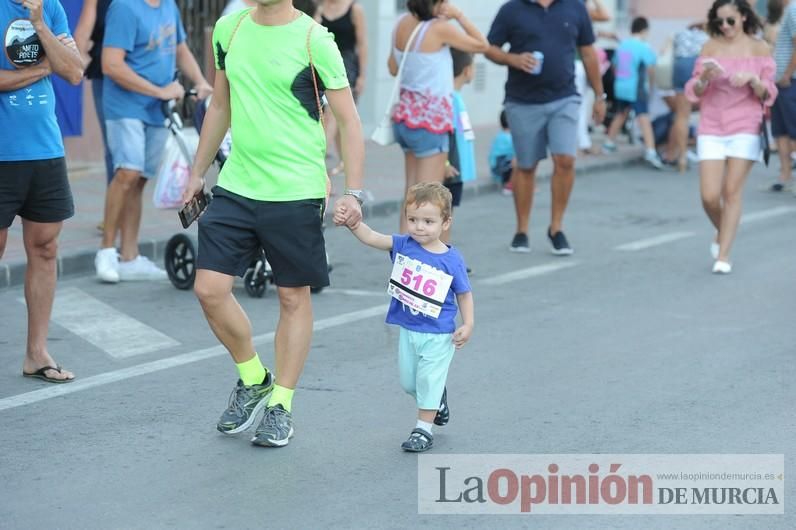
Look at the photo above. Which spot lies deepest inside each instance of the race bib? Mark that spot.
(419, 286)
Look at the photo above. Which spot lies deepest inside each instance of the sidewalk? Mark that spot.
(384, 180)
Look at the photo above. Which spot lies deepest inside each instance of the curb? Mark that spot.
(81, 262)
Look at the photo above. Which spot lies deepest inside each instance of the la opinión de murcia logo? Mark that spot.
(504, 486)
(601, 490)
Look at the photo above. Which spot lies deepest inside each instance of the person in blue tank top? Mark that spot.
(428, 281)
(33, 181)
(143, 46)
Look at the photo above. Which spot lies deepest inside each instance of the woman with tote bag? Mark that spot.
(423, 115)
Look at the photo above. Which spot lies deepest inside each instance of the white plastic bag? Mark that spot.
(173, 175)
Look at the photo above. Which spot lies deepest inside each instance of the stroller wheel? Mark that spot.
(180, 261)
(255, 282)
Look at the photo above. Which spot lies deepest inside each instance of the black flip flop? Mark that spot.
(41, 374)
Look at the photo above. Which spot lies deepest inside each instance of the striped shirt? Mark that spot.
(784, 47)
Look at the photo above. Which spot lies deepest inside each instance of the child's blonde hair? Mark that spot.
(432, 193)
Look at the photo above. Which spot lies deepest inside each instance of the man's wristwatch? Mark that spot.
(359, 195)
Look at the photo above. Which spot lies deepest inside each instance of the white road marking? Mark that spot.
(164, 364)
(767, 214)
(112, 331)
(531, 272)
(654, 241)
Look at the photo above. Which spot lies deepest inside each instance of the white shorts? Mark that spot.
(744, 146)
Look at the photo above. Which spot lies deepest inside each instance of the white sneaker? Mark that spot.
(106, 264)
(140, 269)
(722, 267)
(652, 158)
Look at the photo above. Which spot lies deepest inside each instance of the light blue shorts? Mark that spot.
(423, 361)
(135, 145)
(420, 142)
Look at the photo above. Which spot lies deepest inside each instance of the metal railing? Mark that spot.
(199, 17)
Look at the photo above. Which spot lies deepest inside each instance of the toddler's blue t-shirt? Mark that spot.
(452, 263)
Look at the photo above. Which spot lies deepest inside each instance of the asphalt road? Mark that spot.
(630, 345)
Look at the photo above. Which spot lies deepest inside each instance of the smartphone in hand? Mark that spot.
(195, 208)
(712, 63)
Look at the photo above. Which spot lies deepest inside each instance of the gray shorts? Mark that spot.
(535, 128)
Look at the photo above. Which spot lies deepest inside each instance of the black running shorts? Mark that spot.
(36, 190)
(234, 229)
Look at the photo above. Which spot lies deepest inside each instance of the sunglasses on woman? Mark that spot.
(729, 20)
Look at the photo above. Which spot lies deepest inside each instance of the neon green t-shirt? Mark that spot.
(278, 143)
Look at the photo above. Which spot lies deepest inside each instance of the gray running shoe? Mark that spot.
(245, 403)
(275, 428)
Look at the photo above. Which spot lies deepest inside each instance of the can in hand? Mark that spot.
(539, 56)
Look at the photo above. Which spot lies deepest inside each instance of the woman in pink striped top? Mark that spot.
(733, 81)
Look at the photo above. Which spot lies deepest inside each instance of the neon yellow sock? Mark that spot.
(281, 396)
(252, 372)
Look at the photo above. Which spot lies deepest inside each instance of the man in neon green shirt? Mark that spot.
(270, 194)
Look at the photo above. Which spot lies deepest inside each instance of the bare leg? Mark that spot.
(131, 224)
(732, 194)
(225, 316)
(784, 148)
(616, 124)
(117, 196)
(333, 139)
(410, 167)
(711, 183)
(426, 415)
(645, 125)
(524, 183)
(561, 185)
(293, 334)
(679, 132)
(426, 169)
(41, 248)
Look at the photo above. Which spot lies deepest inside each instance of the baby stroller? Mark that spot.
(180, 253)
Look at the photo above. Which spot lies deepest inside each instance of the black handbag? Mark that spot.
(765, 147)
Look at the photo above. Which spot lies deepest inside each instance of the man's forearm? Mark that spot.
(353, 153)
(497, 56)
(16, 79)
(592, 67)
(126, 78)
(64, 60)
